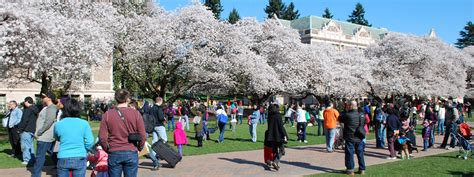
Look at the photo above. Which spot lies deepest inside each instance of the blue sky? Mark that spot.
(417, 17)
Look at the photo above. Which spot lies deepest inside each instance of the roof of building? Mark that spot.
(315, 22)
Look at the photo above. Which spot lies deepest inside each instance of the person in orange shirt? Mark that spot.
(331, 117)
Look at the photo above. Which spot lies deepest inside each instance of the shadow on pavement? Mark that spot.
(311, 167)
(243, 161)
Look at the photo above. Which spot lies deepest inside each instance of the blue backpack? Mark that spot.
(222, 118)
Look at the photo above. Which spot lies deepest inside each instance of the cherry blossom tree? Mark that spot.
(48, 48)
(174, 51)
(417, 66)
(347, 72)
(470, 72)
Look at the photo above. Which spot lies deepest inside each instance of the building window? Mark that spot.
(3, 103)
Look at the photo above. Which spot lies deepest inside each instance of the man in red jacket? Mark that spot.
(114, 136)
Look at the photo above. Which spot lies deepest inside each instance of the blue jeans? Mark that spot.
(123, 161)
(330, 134)
(185, 118)
(349, 151)
(41, 149)
(262, 119)
(26, 140)
(425, 144)
(204, 128)
(381, 133)
(320, 126)
(253, 129)
(239, 118)
(159, 133)
(222, 131)
(432, 137)
(171, 123)
(441, 127)
(77, 165)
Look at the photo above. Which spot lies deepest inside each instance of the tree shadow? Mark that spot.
(460, 173)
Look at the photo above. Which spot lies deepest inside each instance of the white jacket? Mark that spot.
(301, 116)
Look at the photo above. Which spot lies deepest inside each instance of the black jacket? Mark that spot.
(28, 120)
(393, 124)
(157, 112)
(352, 120)
(276, 131)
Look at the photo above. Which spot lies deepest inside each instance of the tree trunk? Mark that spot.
(45, 83)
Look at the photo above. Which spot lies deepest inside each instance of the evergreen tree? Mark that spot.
(467, 36)
(327, 13)
(357, 16)
(290, 12)
(215, 6)
(276, 7)
(234, 16)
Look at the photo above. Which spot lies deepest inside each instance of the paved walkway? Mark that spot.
(298, 161)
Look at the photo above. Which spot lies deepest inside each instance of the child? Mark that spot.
(198, 128)
(99, 160)
(425, 133)
(404, 146)
(180, 138)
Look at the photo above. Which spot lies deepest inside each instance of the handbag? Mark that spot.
(133, 137)
(5, 122)
(360, 131)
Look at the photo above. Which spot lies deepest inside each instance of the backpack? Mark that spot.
(169, 112)
(222, 118)
(149, 121)
(308, 117)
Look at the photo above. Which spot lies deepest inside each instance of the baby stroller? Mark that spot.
(338, 139)
(462, 138)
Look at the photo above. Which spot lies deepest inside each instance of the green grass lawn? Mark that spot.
(234, 141)
(438, 165)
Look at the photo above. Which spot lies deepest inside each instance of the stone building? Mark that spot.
(100, 89)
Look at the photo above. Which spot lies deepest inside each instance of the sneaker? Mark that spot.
(361, 172)
(391, 158)
(276, 166)
(24, 163)
(305, 141)
(155, 168)
(350, 173)
(449, 148)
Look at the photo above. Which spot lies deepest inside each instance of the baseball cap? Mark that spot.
(49, 94)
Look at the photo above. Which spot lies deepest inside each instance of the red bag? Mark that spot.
(268, 154)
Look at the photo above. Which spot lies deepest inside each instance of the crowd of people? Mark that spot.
(59, 130)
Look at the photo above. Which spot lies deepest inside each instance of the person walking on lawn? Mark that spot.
(353, 121)
(253, 122)
(331, 117)
(159, 132)
(44, 131)
(27, 129)
(122, 134)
